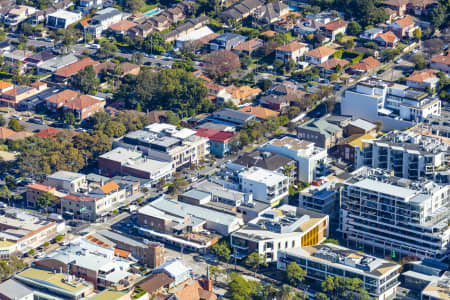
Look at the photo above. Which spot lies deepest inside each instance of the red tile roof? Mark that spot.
(40, 187)
(81, 102)
(47, 132)
(388, 37)
(62, 97)
(422, 75)
(122, 253)
(260, 112)
(206, 132)
(321, 52)
(292, 46)
(366, 64)
(109, 187)
(332, 26)
(222, 136)
(441, 59)
(405, 22)
(5, 132)
(73, 197)
(122, 26)
(333, 62)
(74, 68)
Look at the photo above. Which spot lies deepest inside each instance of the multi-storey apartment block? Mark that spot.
(396, 105)
(380, 277)
(395, 216)
(408, 154)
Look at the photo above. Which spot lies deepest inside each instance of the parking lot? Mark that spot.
(26, 121)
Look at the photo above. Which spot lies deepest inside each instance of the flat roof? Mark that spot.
(385, 188)
(262, 175)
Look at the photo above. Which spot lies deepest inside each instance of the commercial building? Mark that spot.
(12, 289)
(379, 276)
(280, 228)
(94, 261)
(148, 253)
(220, 141)
(121, 161)
(50, 285)
(396, 105)
(437, 289)
(21, 231)
(408, 154)
(69, 182)
(266, 186)
(164, 142)
(62, 19)
(310, 159)
(393, 216)
(96, 203)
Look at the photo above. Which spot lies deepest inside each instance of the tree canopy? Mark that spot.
(173, 89)
(85, 80)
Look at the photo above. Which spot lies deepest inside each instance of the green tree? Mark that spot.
(295, 274)
(133, 5)
(45, 200)
(344, 288)
(107, 49)
(2, 120)
(320, 296)
(284, 293)
(215, 271)
(59, 238)
(277, 64)
(137, 58)
(46, 244)
(417, 33)
(85, 80)
(69, 118)
(245, 60)
(222, 251)
(31, 252)
(177, 186)
(264, 84)
(353, 28)
(254, 261)
(419, 61)
(114, 129)
(5, 193)
(241, 289)
(172, 118)
(14, 125)
(331, 241)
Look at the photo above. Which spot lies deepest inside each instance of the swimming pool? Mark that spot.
(152, 12)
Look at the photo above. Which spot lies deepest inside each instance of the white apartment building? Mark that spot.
(409, 154)
(102, 20)
(69, 182)
(266, 186)
(395, 216)
(62, 19)
(278, 229)
(18, 14)
(396, 105)
(310, 159)
(380, 277)
(165, 142)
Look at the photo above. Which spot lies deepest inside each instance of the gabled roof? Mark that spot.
(74, 68)
(5, 84)
(366, 64)
(244, 92)
(260, 112)
(40, 187)
(123, 25)
(422, 75)
(321, 52)
(155, 282)
(18, 90)
(441, 59)
(333, 62)
(292, 46)
(5, 132)
(388, 37)
(194, 291)
(47, 132)
(405, 22)
(332, 26)
(249, 45)
(81, 102)
(62, 97)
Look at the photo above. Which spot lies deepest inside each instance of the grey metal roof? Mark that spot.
(120, 238)
(14, 290)
(231, 114)
(385, 188)
(197, 194)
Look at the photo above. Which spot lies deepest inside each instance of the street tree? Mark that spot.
(241, 289)
(69, 118)
(222, 62)
(85, 81)
(295, 274)
(353, 28)
(254, 261)
(107, 49)
(45, 200)
(14, 125)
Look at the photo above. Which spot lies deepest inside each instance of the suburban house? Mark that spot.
(13, 96)
(249, 46)
(140, 30)
(319, 55)
(102, 20)
(387, 39)
(39, 58)
(64, 73)
(122, 27)
(417, 7)
(328, 67)
(366, 65)
(237, 95)
(271, 12)
(371, 33)
(403, 28)
(422, 79)
(84, 106)
(5, 86)
(332, 29)
(293, 50)
(281, 96)
(56, 101)
(261, 113)
(441, 63)
(226, 41)
(321, 132)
